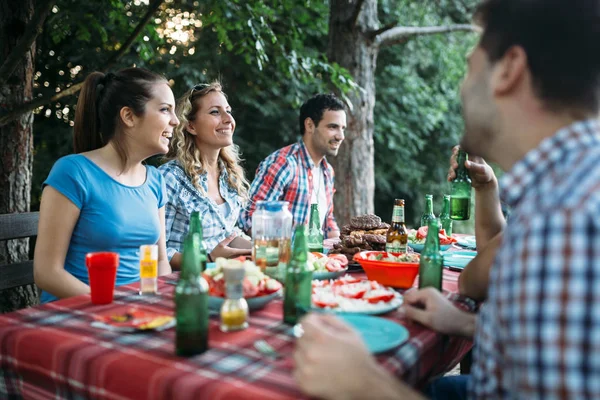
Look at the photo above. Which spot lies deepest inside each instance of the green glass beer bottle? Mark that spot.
(191, 302)
(315, 233)
(445, 219)
(297, 298)
(196, 227)
(428, 213)
(460, 198)
(432, 260)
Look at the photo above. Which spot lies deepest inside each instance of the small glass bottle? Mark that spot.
(234, 311)
(445, 219)
(315, 233)
(460, 199)
(397, 235)
(428, 214)
(431, 263)
(148, 269)
(297, 295)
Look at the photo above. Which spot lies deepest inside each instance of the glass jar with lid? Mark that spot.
(271, 237)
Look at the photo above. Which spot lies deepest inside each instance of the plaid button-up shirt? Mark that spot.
(538, 335)
(287, 175)
(184, 198)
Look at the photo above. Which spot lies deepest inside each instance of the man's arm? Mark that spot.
(474, 279)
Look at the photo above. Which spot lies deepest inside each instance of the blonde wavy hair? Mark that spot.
(183, 146)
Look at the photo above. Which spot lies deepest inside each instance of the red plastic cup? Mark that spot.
(102, 271)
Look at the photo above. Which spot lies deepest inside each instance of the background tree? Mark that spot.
(19, 26)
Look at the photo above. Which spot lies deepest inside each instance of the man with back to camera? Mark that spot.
(531, 99)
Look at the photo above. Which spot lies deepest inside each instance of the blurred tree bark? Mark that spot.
(16, 139)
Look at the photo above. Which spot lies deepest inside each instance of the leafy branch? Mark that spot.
(42, 101)
(400, 34)
(33, 30)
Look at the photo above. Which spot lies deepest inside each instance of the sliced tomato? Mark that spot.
(341, 258)
(334, 266)
(241, 258)
(422, 232)
(374, 285)
(378, 296)
(317, 254)
(249, 289)
(351, 293)
(325, 303)
(268, 286)
(345, 280)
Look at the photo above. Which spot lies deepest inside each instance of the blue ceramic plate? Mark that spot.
(326, 275)
(254, 303)
(379, 334)
(458, 259)
(467, 241)
(418, 247)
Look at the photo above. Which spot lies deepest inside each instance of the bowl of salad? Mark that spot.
(416, 239)
(391, 269)
(327, 266)
(258, 288)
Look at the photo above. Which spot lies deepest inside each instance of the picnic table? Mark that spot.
(52, 351)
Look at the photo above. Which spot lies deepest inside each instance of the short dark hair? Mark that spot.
(102, 97)
(315, 107)
(560, 38)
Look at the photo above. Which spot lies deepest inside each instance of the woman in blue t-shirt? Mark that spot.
(103, 198)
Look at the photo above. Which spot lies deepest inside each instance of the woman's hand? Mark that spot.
(224, 250)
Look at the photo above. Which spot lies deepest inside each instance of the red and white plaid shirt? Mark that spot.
(538, 335)
(287, 175)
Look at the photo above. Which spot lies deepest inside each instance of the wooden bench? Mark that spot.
(17, 226)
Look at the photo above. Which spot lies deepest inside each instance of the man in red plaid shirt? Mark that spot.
(300, 173)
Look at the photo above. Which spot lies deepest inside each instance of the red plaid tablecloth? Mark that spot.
(52, 352)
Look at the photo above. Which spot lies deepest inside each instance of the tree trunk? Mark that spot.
(16, 143)
(352, 48)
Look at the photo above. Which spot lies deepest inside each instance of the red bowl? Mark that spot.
(388, 273)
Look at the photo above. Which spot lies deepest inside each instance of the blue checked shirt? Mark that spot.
(287, 175)
(184, 198)
(538, 335)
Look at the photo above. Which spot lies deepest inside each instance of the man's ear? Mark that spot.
(128, 117)
(309, 125)
(509, 71)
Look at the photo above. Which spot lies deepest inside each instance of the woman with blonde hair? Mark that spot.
(204, 174)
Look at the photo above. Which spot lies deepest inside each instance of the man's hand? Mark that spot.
(332, 362)
(223, 249)
(431, 308)
(482, 175)
(329, 358)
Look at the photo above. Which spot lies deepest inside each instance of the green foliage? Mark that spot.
(270, 56)
(417, 113)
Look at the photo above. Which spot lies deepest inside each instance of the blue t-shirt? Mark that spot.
(113, 217)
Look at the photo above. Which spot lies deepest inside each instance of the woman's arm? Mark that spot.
(58, 216)
(163, 262)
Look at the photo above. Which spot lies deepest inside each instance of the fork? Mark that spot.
(266, 349)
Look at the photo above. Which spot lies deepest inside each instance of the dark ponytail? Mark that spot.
(86, 131)
(97, 119)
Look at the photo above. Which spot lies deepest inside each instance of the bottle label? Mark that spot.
(398, 214)
(148, 269)
(396, 246)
